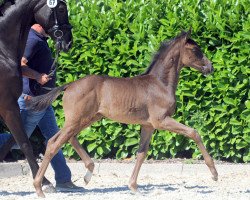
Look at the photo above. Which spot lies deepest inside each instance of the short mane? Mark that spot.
(163, 48)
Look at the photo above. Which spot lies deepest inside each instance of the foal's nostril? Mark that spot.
(212, 69)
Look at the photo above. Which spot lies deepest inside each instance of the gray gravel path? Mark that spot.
(157, 180)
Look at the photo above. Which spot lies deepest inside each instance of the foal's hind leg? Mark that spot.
(68, 132)
(170, 124)
(146, 133)
(52, 148)
(54, 144)
(89, 164)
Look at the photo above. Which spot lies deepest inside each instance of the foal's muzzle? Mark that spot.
(207, 69)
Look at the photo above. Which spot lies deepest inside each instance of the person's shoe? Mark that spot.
(68, 187)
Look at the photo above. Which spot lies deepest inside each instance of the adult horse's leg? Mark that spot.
(146, 133)
(170, 124)
(12, 118)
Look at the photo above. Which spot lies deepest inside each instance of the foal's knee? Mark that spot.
(51, 148)
(194, 135)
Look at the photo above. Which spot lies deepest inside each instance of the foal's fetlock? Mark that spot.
(38, 189)
(90, 166)
(211, 166)
(215, 174)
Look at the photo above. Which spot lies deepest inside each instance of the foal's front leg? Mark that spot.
(89, 164)
(54, 144)
(146, 133)
(171, 125)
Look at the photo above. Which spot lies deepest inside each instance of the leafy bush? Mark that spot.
(118, 38)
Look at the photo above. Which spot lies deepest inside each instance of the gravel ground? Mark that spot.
(157, 180)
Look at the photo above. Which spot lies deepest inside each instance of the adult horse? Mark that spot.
(147, 99)
(14, 28)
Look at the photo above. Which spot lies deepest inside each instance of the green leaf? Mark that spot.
(241, 145)
(100, 150)
(247, 103)
(131, 141)
(91, 147)
(229, 101)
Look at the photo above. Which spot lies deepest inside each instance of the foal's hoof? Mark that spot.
(49, 188)
(88, 177)
(215, 174)
(215, 178)
(133, 187)
(40, 194)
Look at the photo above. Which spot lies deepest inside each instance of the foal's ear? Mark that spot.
(188, 34)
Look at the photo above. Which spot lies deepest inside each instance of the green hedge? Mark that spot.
(118, 38)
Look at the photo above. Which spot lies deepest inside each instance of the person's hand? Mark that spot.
(43, 78)
(27, 97)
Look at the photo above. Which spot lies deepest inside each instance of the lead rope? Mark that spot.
(54, 64)
(53, 68)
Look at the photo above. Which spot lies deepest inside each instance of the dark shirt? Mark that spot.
(39, 57)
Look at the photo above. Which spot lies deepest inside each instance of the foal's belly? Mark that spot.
(124, 100)
(127, 116)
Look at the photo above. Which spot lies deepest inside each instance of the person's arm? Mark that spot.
(30, 73)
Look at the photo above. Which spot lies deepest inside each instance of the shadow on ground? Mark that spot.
(142, 189)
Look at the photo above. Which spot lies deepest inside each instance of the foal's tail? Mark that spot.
(41, 102)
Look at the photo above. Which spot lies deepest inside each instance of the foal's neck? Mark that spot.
(167, 68)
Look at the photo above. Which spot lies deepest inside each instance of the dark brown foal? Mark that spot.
(147, 99)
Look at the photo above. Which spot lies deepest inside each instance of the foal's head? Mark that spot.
(192, 56)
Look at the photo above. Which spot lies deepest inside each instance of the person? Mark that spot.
(36, 65)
